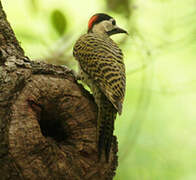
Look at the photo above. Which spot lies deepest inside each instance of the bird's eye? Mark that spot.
(114, 22)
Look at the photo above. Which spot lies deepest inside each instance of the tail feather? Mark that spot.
(106, 116)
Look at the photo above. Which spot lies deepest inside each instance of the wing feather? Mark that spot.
(102, 60)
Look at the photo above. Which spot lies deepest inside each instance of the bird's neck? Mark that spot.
(102, 34)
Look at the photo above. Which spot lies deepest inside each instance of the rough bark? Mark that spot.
(47, 119)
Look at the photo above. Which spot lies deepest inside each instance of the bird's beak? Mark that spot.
(116, 30)
(119, 30)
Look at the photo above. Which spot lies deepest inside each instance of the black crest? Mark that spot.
(97, 18)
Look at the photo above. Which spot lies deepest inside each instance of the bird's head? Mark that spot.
(103, 24)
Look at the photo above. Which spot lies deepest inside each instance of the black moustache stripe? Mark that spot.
(113, 31)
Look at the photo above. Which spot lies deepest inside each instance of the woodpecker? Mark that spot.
(102, 68)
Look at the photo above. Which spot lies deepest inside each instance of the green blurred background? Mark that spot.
(156, 131)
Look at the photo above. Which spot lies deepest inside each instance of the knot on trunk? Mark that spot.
(53, 131)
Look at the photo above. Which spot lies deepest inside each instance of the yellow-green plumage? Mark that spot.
(102, 69)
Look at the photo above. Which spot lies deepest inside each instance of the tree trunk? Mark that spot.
(47, 120)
